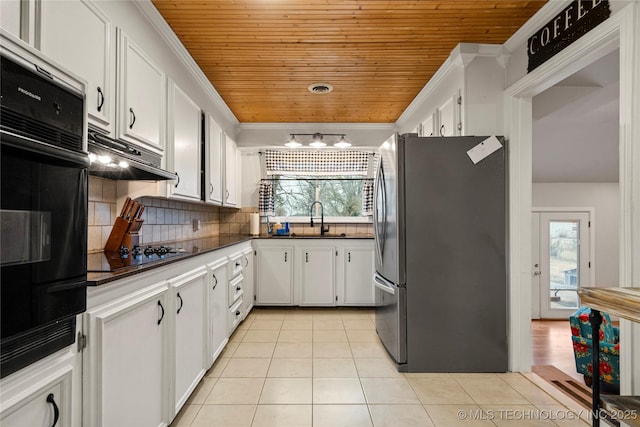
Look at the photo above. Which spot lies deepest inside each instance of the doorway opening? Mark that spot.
(575, 179)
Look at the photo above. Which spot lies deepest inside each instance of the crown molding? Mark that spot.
(320, 127)
(461, 56)
(153, 16)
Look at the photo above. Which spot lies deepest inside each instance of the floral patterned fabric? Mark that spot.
(609, 346)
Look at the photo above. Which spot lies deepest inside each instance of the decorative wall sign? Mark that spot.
(577, 19)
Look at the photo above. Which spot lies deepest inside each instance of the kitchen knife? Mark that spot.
(125, 205)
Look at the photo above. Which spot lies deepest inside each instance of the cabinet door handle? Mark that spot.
(442, 130)
(238, 288)
(246, 262)
(306, 256)
(56, 410)
(285, 257)
(215, 281)
(349, 256)
(177, 183)
(211, 189)
(133, 118)
(227, 194)
(162, 313)
(100, 99)
(181, 303)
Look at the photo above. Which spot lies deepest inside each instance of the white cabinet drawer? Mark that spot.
(235, 289)
(235, 316)
(236, 264)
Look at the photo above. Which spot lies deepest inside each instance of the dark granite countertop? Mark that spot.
(186, 248)
(315, 236)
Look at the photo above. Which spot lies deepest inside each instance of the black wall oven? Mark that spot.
(43, 217)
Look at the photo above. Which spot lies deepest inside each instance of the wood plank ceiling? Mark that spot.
(261, 55)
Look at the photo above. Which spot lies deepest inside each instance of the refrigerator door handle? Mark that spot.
(380, 220)
(383, 285)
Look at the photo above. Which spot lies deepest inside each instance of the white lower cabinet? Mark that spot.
(274, 278)
(249, 281)
(357, 275)
(190, 332)
(314, 272)
(317, 276)
(218, 308)
(41, 395)
(125, 362)
(152, 336)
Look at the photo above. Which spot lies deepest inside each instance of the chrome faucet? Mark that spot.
(322, 229)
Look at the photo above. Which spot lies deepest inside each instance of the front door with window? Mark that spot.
(560, 262)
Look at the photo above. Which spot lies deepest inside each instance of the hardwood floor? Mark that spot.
(551, 345)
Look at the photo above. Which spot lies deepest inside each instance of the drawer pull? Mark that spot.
(181, 303)
(132, 116)
(162, 314)
(238, 288)
(215, 281)
(237, 313)
(100, 99)
(56, 410)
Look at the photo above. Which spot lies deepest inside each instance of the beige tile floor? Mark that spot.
(326, 367)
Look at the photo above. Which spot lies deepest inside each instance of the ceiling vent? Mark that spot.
(320, 88)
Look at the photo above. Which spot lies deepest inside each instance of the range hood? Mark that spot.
(114, 159)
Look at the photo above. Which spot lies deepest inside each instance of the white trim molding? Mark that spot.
(621, 30)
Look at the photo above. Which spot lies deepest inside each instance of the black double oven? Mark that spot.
(44, 192)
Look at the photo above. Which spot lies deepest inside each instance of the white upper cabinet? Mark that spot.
(426, 127)
(79, 36)
(448, 125)
(141, 97)
(183, 145)
(214, 167)
(232, 173)
(10, 16)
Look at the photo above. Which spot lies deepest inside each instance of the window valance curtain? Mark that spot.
(321, 163)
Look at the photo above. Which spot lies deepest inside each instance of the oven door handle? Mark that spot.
(57, 153)
(67, 285)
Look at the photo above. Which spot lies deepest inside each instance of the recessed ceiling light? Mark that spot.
(320, 88)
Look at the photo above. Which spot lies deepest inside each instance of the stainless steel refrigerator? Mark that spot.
(440, 240)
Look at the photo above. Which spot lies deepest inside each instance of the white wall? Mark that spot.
(605, 199)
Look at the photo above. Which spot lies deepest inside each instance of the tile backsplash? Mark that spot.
(164, 220)
(170, 220)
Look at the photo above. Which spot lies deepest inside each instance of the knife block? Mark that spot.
(130, 240)
(118, 232)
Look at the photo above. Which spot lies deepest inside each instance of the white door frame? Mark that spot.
(537, 293)
(621, 30)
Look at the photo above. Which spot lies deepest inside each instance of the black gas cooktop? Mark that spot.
(127, 258)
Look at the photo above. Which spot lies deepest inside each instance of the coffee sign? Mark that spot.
(573, 22)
